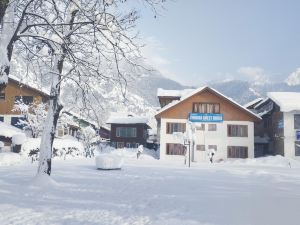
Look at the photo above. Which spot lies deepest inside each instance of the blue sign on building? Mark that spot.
(206, 117)
(298, 135)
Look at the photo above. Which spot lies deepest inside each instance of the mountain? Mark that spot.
(243, 91)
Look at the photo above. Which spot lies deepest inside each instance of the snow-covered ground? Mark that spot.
(149, 191)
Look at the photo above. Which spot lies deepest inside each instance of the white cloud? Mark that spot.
(256, 74)
(294, 78)
(154, 52)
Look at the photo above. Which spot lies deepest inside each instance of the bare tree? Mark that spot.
(82, 42)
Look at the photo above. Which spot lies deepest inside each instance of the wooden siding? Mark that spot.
(15, 89)
(230, 111)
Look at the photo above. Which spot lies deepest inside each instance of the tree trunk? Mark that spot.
(51, 122)
(6, 42)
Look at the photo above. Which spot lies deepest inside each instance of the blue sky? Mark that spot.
(195, 41)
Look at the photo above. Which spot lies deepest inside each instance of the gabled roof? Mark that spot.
(202, 89)
(253, 102)
(31, 86)
(173, 93)
(287, 101)
(127, 120)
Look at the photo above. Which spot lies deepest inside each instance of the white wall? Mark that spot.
(7, 117)
(289, 134)
(218, 137)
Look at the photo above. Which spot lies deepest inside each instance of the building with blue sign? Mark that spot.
(208, 120)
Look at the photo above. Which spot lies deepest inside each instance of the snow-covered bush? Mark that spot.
(34, 114)
(87, 135)
(62, 148)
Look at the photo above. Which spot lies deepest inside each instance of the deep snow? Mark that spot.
(149, 191)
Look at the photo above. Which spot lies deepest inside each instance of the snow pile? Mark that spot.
(42, 181)
(9, 158)
(18, 139)
(1, 145)
(108, 161)
(273, 161)
(287, 101)
(129, 153)
(7, 130)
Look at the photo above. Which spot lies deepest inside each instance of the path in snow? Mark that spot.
(149, 192)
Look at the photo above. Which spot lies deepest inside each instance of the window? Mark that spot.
(26, 99)
(200, 147)
(175, 149)
(17, 122)
(237, 152)
(128, 132)
(297, 148)
(237, 130)
(2, 96)
(175, 127)
(212, 127)
(297, 121)
(206, 107)
(201, 127)
(214, 147)
(1, 118)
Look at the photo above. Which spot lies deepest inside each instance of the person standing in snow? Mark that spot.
(140, 151)
(211, 153)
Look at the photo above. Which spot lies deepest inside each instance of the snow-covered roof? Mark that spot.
(173, 93)
(287, 101)
(30, 85)
(261, 103)
(9, 131)
(127, 120)
(172, 104)
(255, 101)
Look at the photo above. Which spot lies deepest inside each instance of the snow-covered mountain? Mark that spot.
(243, 91)
(141, 92)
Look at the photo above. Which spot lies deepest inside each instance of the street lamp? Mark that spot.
(187, 142)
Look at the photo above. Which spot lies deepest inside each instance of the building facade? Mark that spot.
(128, 131)
(15, 90)
(214, 122)
(279, 131)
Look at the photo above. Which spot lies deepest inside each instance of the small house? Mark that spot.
(128, 131)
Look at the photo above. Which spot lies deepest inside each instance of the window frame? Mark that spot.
(232, 152)
(295, 125)
(126, 132)
(200, 148)
(210, 125)
(297, 145)
(181, 149)
(170, 127)
(233, 130)
(203, 107)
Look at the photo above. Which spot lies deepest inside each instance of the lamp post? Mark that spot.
(187, 142)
